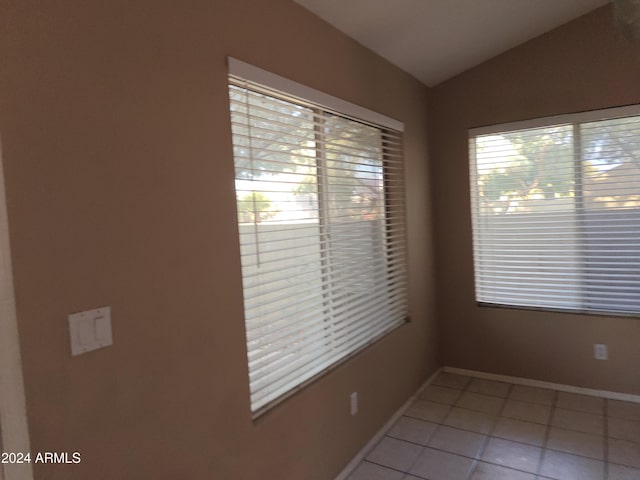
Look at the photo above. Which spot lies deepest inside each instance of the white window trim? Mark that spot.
(580, 117)
(304, 93)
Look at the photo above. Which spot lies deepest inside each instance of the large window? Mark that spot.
(322, 236)
(556, 212)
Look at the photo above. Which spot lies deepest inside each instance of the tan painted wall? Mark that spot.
(579, 66)
(117, 153)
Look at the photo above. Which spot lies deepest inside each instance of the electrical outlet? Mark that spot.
(354, 403)
(600, 351)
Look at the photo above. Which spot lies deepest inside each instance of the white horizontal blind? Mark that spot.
(322, 235)
(556, 214)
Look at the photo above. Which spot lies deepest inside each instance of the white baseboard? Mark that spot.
(355, 461)
(626, 397)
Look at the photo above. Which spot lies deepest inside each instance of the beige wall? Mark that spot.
(579, 66)
(117, 154)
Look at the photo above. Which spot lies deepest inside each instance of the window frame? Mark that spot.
(575, 120)
(324, 105)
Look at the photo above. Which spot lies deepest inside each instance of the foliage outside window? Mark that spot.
(320, 216)
(556, 212)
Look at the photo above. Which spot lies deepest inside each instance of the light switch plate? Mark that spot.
(90, 330)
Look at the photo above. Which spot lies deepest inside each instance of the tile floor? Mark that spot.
(464, 428)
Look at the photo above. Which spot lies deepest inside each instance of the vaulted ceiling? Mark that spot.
(435, 40)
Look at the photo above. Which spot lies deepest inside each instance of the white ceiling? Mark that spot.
(435, 40)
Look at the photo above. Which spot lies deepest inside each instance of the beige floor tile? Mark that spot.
(436, 465)
(394, 453)
(429, 411)
(370, 471)
(624, 429)
(578, 443)
(618, 472)
(458, 441)
(469, 420)
(578, 421)
(489, 387)
(529, 412)
(452, 380)
(580, 403)
(438, 394)
(618, 409)
(441, 433)
(480, 403)
(486, 471)
(412, 430)
(533, 394)
(512, 455)
(519, 431)
(563, 466)
(624, 453)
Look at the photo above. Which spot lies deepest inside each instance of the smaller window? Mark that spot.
(556, 212)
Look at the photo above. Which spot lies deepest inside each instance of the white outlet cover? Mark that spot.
(600, 351)
(90, 330)
(354, 403)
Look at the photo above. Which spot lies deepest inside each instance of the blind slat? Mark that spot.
(556, 212)
(322, 235)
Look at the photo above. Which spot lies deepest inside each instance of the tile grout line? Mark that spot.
(497, 438)
(361, 456)
(474, 457)
(383, 466)
(489, 436)
(424, 447)
(631, 398)
(466, 389)
(477, 459)
(455, 402)
(548, 424)
(545, 424)
(605, 431)
(547, 433)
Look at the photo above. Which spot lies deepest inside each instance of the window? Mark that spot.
(321, 224)
(556, 212)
